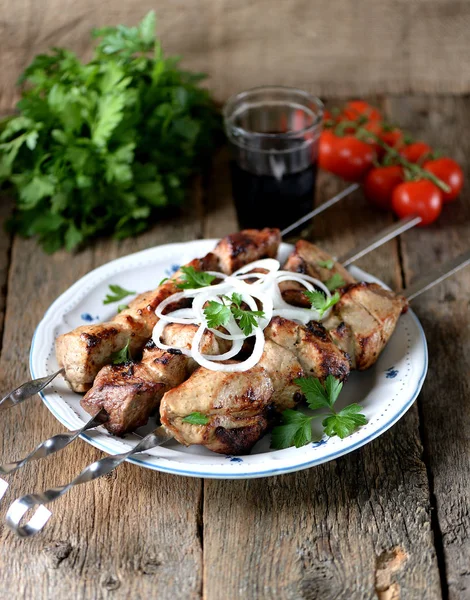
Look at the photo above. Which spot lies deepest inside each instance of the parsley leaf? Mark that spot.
(196, 418)
(121, 356)
(117, 293)
(345, 422)
(220, 314)
(163, 281)
(122, 307)
(247, 319)
(334, 282)
(294, 431)
(319, 301)
(103, 147)
(326, 264)
(217, 314)
(192, 279)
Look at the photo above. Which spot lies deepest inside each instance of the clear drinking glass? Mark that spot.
(273, 133)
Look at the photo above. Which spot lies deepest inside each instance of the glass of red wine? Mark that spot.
(273, 133)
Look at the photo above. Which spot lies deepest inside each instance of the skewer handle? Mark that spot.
(27, 390)
(436, 276)
(53, 445)
(97, 469)
(349, 190)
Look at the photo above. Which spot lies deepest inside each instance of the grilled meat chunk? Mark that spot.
(237, 405)
(311, 345)
(131, 392)
(306, 258)
(283, 368)
(363, 321)
(239, 249)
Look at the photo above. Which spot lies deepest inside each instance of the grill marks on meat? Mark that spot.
(283, 368)
(84, 351)
(317, 354)
(130, 393)
(238, 249)
(363, 321)
(305, 259)
(238, 406)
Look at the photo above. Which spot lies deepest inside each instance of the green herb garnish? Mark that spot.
(163, 281)
(121, 356)
(117, 293)
(295, 429)
(192, 279)
(320, 302)
(326, 264)
(218, 314)
(334, 282)
(122, 307)
(196, 418)
(102, 146)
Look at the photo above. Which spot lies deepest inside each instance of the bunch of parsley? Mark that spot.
(100, 147)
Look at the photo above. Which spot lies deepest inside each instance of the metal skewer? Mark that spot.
(316, 211)
(97, 469)
(437, 275)
(28, 389)
(48, 447)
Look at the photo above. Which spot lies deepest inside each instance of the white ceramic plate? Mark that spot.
(386, 391)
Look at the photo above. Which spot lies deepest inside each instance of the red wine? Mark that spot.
(266, 201)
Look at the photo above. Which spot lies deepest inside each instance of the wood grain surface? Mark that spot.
(389, 521)
(331, 48)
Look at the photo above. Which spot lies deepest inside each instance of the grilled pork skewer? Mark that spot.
(84, 351)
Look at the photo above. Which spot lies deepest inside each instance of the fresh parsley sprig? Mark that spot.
(103, 146)
(320, 302)
(117, 293)
(121, 356)
(218, 314)
(196, 418)
(295, 429)
(192, 279)
(335, 281)
(326, 264)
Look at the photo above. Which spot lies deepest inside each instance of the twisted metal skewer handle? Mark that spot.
(53, 444)
(97, 469)
(27, 390)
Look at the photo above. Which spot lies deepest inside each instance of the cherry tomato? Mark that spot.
(345, 156)
(421, 198)
(416, 152)
(449, 172)
(392, 137)
(380, 183)
(358, 108)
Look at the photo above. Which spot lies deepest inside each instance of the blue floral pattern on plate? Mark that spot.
(171, 270)
(234, 459)
(89, 318)
(391, 373)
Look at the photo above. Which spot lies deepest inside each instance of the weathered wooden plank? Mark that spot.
(444, 122)
(5, 246)
(124, 536)
(244, 44)
(358, 527)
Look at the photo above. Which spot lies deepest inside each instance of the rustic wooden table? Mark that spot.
(388, 521)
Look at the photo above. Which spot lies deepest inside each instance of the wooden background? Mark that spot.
(331, 47)
(390, 521)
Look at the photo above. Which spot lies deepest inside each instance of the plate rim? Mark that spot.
(234, 475)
